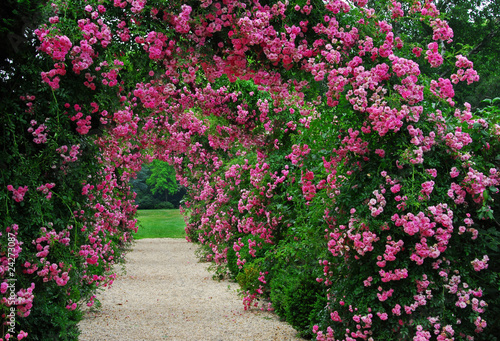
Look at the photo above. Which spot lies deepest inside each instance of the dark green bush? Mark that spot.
(165, 205)
(248, 277)
(298, 298)
(296, 295)
(146, 202)
(59, 323)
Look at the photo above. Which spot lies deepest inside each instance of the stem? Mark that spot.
(71, 212)
(57, 106)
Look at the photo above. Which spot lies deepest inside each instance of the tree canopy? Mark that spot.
(162, 178)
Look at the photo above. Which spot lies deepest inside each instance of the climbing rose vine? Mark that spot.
(320, 142)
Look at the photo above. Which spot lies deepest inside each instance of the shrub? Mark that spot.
(248, 278)
(146, 202)
(298, 298)
(166, 205)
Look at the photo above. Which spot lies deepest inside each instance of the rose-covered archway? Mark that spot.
(328, 167)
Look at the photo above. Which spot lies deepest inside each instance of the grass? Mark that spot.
(160, 224)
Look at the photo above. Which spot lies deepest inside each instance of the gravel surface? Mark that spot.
(165, 293)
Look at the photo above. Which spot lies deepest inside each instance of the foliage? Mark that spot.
(321, 140)
(297, 297)
(164, 205)
(145, 199)
(58, 244)
(17, 19)
(296, 294)
(162, 178)
(476, 30)
(248, 278)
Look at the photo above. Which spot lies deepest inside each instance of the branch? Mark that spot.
(487, 38)
(478, 46)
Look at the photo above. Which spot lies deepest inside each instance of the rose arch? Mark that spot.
(327, 164)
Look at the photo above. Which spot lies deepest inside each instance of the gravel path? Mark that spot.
(166, 294)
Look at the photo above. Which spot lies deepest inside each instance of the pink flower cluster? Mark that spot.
(45, 189)
(480, 264)
(377, 204)
(308, 188)
(476, 182)
(73, 153)
(18, 194)
(396, 275)
(443, 89)
(441, 30)
(470, 75)
(39, 134)
(22, 299)
(29, 102)
(182, 21)
(83, 123)
(427, 188)
(57, 47)
(457, 193)
(433, 56)
(298, 152)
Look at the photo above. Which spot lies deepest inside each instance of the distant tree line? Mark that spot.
(156, 187)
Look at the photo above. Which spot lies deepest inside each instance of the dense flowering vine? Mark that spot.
(313, 142)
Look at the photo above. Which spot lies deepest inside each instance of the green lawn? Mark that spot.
(160, 224)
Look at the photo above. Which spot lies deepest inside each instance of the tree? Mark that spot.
(162, 178)
(144, 184)
(476, 28)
